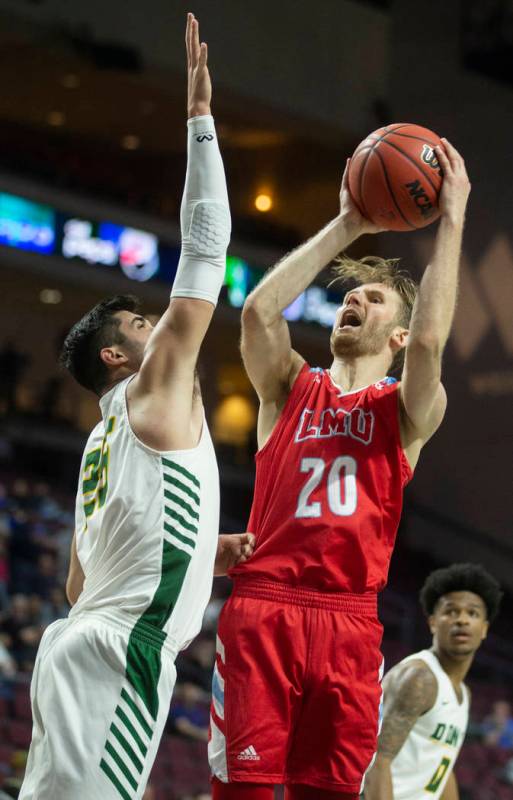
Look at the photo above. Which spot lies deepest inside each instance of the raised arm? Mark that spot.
(164, 385)
(408, 693)
(423, 396)
(270, 362)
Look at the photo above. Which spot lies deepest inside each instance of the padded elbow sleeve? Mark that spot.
(205, 216)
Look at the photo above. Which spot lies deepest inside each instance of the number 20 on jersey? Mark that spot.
(340, 494)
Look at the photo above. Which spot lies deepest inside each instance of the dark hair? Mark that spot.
(461, 578)
(99, 328)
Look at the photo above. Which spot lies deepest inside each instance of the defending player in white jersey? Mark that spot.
(426, 703)
(147, 511)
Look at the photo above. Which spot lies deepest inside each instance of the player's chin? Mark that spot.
(343, 342)
(463, 648)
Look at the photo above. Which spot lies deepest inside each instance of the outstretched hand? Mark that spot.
(350, 212)
(199, 87)
(455, 186)
(232, 549)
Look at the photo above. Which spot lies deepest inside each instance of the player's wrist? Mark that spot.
(454, 219)
(348, 227)
(198, 110)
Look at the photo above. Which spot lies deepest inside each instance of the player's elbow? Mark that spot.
(383, 759)
(428, 344)
(255, 313)
(251, 311)
(71, 596)
(74, 587)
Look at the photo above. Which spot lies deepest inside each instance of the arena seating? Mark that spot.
(181, 768)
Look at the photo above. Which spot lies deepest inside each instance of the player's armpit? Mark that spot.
(450, 791)
(411, 693)
(75, 580)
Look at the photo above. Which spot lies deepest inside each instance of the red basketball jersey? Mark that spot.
(329, 487)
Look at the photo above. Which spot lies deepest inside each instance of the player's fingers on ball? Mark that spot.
(441, 153)
(453, 155)
(450, 147)
(345, 176)
(442, 159)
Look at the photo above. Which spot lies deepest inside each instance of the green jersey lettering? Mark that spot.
(437, 778)
(95, 481)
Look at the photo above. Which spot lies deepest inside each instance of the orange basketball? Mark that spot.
(395, 177)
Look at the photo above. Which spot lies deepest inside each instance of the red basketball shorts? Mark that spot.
(296, 687)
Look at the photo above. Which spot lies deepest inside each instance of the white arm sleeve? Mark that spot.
(204, 216)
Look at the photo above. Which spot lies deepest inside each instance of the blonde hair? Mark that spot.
(374, 269)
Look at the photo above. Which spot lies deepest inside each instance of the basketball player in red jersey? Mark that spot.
(296, 688)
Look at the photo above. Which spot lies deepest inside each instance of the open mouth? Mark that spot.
(350, 319)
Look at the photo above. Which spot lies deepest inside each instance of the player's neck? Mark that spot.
(356, 373)
(456, 669)
(116, 377)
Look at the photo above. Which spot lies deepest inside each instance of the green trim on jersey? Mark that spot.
(133, 729)
(183, 486)
(178, 468)
(144, 675)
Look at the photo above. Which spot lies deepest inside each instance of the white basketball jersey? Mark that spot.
(423, 765)
(147, 524)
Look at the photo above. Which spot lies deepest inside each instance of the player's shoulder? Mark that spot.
(413, 682)
(383, 390)
(413, 667)
(386, 384)
(96, 433)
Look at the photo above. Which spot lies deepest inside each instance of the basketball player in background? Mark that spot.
(147, 510)
(296, 685)
(426, 703)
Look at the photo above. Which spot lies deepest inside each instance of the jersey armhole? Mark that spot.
(146, 447)
(406, 469)
(298, 387)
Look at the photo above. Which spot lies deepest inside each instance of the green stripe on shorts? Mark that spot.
(113, 779)
(121, 764)
(128, 725)
(127, 748)
(130, 703)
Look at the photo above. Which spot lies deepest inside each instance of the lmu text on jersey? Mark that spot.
(328, 422)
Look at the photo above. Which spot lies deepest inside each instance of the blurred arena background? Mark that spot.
(92, 158)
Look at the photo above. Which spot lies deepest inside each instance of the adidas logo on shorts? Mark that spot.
(249, 754)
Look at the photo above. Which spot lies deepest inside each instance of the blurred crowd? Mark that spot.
(35, 538)
(36, 529)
